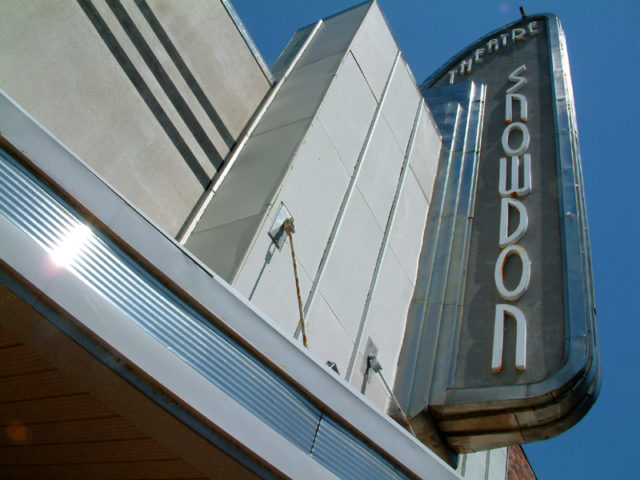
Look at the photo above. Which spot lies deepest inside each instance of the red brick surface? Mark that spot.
(519, 467)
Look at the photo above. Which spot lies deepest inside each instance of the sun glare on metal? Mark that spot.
(70, 246)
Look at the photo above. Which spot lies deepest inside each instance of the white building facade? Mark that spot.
(160, 318)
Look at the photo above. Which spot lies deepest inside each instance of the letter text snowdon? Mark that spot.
(515, 143)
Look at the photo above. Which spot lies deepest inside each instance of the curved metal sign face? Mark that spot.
(510, 350)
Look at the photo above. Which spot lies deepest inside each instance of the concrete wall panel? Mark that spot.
(221, 140)
(335, 35)
(266, 278)
(74, 68)
(380, 170)
(301, 93)
(327, 338)
(375, 49)
(387, 317)
(498, 464)
(312, 191)
(346, 280)
(347, 110)
(401, 103)
(218, 56)
(426, 151)
(408, 226)
(473, 465)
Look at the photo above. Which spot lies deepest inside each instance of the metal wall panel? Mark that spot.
(408, 225)
(444, 248)
(105, 268)
(262, 164)
(348, 459)
(301, 93)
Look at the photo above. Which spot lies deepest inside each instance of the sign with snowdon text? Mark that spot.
(500, 345)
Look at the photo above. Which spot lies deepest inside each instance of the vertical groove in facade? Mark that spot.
(383, 244)
(347, 196)
(459, 116)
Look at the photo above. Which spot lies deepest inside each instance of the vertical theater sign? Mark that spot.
(500, 345)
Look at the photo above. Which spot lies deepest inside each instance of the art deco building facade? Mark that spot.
(211, 268)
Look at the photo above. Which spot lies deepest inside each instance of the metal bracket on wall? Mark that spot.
(373, 364)
(276, 232)
(370, 351)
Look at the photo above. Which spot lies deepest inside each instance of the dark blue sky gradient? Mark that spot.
(604, 50)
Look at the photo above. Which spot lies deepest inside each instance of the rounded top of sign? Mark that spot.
(455, 59)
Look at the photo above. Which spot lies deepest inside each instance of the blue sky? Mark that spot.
(604, 49)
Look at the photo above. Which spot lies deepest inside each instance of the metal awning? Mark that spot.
(168, 341)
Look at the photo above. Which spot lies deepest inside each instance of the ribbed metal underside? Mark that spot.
(104, 267)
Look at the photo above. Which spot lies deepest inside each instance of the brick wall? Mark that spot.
(519, 467)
